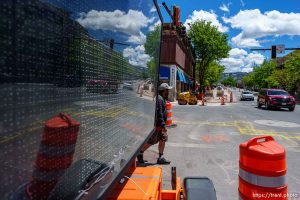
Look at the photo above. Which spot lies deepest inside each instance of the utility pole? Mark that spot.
(273, 50)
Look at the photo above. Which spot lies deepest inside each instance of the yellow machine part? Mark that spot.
(187, 98)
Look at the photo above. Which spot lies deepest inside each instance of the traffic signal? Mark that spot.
(273, 52)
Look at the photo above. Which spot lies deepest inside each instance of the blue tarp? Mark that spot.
(187, 79)
(164, 73)
(180, 75)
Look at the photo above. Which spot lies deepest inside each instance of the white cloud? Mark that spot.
(224, 8)
(255, 25)
(208, 16)
(115, 21)
(240, 60)
(153, 9)
(137, 39)
(242, 42)
(236, 52)
(151, 28)
(137, 56)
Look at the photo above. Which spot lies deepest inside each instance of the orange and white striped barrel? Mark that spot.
(262, 172)
(169, 121)
(222, 100)
(54, 157)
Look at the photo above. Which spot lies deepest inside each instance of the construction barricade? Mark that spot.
(202, 99)
(169, 114)
(262, 169)
(222, 100)
(55, 155)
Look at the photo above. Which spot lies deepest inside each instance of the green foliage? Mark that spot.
(210, 45)
(249, 80)
(292, 67)
(152, 46)
(212, 74)
(268, 76)
(230, 81)
(260, 77)
(262, 73)
(144, 75)
(289, 77)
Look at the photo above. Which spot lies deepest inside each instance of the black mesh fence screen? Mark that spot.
(71, 77)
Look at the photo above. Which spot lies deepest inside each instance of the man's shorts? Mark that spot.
(157, 136)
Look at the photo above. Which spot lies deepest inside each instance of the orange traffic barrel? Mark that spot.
(169, 121)
(231, 97)
(262, 169)
(54, 157)
(222, 100)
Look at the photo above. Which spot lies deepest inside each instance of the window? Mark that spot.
(277, 92)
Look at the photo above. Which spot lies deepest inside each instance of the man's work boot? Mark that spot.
(163, 161)
(140, 158)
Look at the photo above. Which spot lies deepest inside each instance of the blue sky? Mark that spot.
(249, 24)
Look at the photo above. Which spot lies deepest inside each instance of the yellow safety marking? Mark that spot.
(246, 128)
(110, 112)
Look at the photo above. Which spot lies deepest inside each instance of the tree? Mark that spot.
(267, 75)
(144, 75)
(210, 45)
(230, 81)
(260, 76)
(292, 67)
(213, 73)
(152, 46)
(248, 80)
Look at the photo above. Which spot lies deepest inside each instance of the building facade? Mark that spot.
(177, 64)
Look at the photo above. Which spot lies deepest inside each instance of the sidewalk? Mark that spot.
(216, 99)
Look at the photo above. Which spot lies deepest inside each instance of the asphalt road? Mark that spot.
(206, 142)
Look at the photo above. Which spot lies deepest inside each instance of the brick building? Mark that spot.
(177, 64)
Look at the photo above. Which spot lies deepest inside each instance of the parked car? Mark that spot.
(128, 86)
(276, 98)
(247, 95)
(102, 86)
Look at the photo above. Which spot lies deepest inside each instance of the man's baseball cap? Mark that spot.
(164, 86)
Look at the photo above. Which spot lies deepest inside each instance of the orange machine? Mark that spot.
(144, 183)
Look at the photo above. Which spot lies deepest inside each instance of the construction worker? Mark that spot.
(160, 135)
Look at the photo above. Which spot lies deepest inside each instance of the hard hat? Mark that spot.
(164, 86)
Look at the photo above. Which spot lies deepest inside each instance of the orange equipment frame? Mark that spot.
(144, 183)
